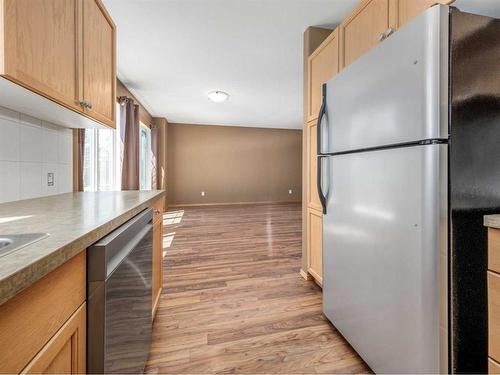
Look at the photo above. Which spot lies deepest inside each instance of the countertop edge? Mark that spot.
(27, 276)
(491, 221)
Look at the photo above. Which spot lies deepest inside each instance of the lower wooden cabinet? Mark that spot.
(315, 244)
(494, 315)
(65, 353)
(493, 367)
(157, 263)
(44, 323)
(157, 279)
(493, 277)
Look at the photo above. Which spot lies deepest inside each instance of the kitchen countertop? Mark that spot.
(74, 221)
(492, 221)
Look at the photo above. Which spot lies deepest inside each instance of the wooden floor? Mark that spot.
(233, 300)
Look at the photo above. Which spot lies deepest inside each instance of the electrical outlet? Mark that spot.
(50, 179)
(290, 191)
(202, 193)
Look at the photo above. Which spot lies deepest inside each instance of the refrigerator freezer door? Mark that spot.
(396, 93)
(385, 256)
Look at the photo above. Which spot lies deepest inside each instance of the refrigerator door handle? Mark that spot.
(319, 181)
(320, 118)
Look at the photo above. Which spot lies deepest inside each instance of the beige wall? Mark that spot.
(232, 164)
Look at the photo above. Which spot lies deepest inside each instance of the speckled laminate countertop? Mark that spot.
(492, 221)
(74, 221)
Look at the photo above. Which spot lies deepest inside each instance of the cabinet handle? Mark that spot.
(157, 211)
(387, 33)
(85, 104)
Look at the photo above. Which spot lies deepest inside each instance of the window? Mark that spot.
(145, 157)
(102, 160)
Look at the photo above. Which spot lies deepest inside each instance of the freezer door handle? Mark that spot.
(320, 119)
(319, 180)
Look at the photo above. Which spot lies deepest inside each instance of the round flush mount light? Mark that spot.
(218, 96)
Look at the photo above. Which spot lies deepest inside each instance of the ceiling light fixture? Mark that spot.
(218, 96)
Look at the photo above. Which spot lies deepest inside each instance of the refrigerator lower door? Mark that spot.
(385, 256)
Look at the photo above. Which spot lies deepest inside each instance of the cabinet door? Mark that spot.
(493, 315)
(65, 353)
(362, 29)
(41, 47)
(312, 191)
(323, 64)
(315, 244)
(99, 71)
(157, 263)
(493, 367)
(408, 9)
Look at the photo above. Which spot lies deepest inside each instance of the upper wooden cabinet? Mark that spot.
(63, 50)
(41, 49)
(364, 27)
(99, 78)
(323, 64)
(408, 9)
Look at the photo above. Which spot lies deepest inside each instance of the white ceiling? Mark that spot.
(171, 53)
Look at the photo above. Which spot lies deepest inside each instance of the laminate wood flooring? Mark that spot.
(233, 300)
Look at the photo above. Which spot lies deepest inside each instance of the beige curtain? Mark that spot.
(81, 155)
(129, 134)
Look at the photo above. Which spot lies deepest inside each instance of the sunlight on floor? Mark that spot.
(173, 217)
(170, 218)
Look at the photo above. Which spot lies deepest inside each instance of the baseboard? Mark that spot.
(317, 278)
(231, 204)
(305, 275)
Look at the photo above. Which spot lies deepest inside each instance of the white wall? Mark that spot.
(29, 150)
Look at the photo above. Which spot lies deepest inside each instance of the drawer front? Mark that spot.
(494, 315)
(493, 367)
(30, 319)
(157, 207)
(494, 249)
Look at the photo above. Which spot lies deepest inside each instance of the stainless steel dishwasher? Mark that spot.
(119, 298)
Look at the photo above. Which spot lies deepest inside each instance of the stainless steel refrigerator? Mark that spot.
(408, 164)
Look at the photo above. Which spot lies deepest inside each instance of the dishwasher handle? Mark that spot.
(105, 255)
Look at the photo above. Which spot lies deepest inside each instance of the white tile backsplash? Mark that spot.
(29, 149)
(9, 181)
(65, 148)
(65, 172)
(31, 180)
(50, 144)
(31, 143)
(9, 140)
